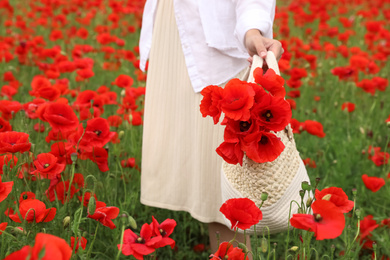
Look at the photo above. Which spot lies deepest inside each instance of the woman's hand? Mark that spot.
(256, 43)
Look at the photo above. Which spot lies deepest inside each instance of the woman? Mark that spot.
(193, 44)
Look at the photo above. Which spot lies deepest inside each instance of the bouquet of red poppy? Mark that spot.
(253, 113)
(259, 150)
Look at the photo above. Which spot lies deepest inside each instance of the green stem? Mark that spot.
(93, 241)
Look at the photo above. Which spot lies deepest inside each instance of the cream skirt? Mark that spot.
(180, 167)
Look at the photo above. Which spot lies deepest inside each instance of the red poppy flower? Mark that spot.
(272, 82)
(349, 106)
(13, 142)
(105, 215)
(46, 247)
(262, 146)
(3, 226)
(5, 189)
(164, 230)
(78, 242)
(96, 135)
(310, 162)
(33, 210)
(367, 225)
(273, 113)
(231, 152)
(114, 120)
(60, 116)
(227, 251)
(139, 246)
(87, 196)
(241, 212)
(9, 160)
(5, 126)
(337, 196)
(128, 163)
(373, 183)
(9, 108)
(314, 128)
(47, 166)
(60, 190)
(84, 98)
(123, 81)
(237, 99)
(296, 126)
(327, 221)
(210, 104)
(99, 156)
(294, 93)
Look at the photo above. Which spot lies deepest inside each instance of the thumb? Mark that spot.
(260, 49)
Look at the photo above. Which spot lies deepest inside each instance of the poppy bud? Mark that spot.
(120, 134)
(374, 246)
(305, 185)
(123, 93)
(354, 191)
(300, 211)
(301, 193)
(309, 201)
(357, 212)
(66, 221)
(243, 247)
(264, 196)
(73, 157)
(132, 222)
(318, 180)
(264, 245)
(18, 230)
(294, 248)
(84, 124)
(388, 124)
(91, 205)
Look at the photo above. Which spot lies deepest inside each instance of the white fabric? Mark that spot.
(216, 52)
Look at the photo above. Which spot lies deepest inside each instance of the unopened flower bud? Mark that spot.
(91, 205)
(84, 123)
(120, 134)
(374, 246)
(123, 93)
(132, 222)
(309, 201)
(264, 196)
(264, 245)
(300, 211)
(294, 248)
(73, 157)
(357, 212)
(243, 247)
(301, 193)
(388, 124)
(18, 230)
(305, 185)
(354, 191)
(66, 221)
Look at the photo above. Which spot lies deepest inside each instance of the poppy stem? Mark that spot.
(120, 248)
(93, 241)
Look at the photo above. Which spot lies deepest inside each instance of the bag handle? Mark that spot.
(272, 63)
(258, 62)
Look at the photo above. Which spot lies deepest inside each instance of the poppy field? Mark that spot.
(71, 115)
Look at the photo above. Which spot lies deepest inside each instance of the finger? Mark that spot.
(276, 48)
(250, 60)
(261, 49)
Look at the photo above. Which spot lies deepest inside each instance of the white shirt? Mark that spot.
(212, 35)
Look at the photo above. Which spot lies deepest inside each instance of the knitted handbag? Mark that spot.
(280, 178)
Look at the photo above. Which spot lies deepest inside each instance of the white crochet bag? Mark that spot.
(281, 178)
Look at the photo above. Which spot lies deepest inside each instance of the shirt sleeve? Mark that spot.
(254, 14)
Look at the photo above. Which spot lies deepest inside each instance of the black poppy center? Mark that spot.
(162, 232)
(268, 115)
(264, 140)
(98, 132)
(244, 126)
(140, 240)
(317, 217)
(46, 165)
